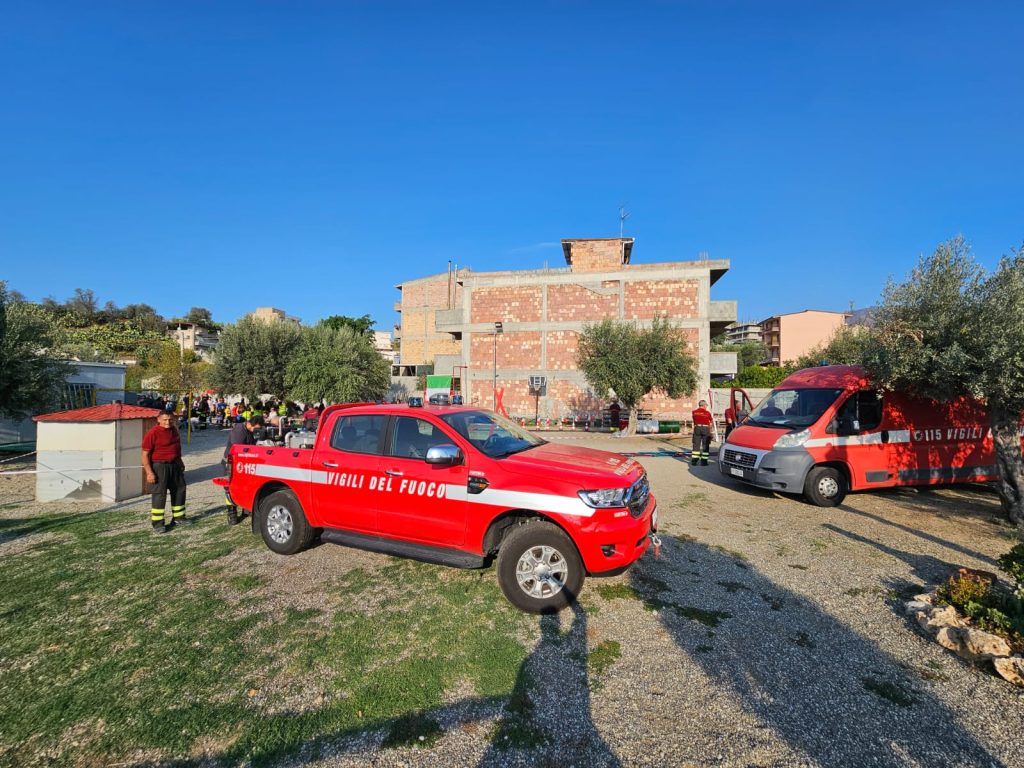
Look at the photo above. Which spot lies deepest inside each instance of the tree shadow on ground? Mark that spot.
(920, 534)
(928, 568)
(546, 717)
(831, 694)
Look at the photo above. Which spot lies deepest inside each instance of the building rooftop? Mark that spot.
(98, 413)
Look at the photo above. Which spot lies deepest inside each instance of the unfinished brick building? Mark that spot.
(448, 320)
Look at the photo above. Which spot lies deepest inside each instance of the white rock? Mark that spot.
(1010, 669)
(946, 616)
(951, 638)
(918, 605)
(984, 645)
(924, 620)
(927, 597)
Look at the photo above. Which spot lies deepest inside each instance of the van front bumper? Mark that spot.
(783, 471)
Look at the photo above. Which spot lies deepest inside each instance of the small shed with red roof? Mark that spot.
(91, 454)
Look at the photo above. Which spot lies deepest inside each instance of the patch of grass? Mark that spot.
(246, 582)
(603, 656)
(617, 592)
(891, 692)
(413, 730)
(704, 649)
(861, 591)
(127, 629)
(798, 567)
(732, 586)
(803, 640)
(774, 603)
(731, 553)
(707, 618)
(517, 729)
(990, 606)
(685, 538)
(690, 499)
(650, 584)
(820, 545)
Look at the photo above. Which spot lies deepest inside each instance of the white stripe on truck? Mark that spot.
(539, 502)
(873, 438)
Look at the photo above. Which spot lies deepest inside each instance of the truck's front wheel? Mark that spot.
(539, 569)
(283, 524)
(825, 486)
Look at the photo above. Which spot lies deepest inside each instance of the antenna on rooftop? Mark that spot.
(623, 215)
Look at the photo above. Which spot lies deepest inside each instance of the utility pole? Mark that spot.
(494, 389)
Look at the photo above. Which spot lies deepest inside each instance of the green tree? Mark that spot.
(336, 365)
(179, 370)
(361, 325)
(252, 357)
(756, 377)
(951, 330)
(635, 361)
(30, 380)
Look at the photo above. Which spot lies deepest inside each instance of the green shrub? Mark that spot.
(990, 607)
(1013, 563)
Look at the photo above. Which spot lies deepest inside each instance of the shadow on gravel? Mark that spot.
(546, 720)
(834, 696)
(928, 568)
(920, 534)
(203, 474)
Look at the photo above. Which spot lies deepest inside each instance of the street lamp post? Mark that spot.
(494, 388)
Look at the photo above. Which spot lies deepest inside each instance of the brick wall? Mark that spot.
(648, 299)
(596, 255)
(514, 304)
(562, 348)
(421, 301)
(576, 302)
(515, 349)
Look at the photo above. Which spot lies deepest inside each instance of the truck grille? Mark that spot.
(636, 499)
(740, 458)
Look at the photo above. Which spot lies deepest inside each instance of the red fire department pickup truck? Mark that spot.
(456, 486)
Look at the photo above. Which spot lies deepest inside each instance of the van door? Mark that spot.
(863, 443)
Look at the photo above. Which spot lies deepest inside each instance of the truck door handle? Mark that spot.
(330, 464)
(393, 472)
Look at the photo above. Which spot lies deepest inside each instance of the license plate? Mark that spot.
(736, 471)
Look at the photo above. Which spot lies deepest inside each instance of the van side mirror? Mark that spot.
(446, 455)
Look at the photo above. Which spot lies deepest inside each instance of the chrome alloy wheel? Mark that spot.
(541, 572)
(279, 524)
(828, 487)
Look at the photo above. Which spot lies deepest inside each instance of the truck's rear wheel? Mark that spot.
(283, 524)
(539, 569)
(825, 486)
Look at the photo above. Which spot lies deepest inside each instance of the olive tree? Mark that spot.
(252, 357)
(953, 330)
(30, 379)
(336, 364)
(635, 361)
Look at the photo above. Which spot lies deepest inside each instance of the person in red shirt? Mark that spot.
(702, 421)
(165, 471)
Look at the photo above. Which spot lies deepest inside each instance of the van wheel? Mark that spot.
(539, 569)
(283, 524)
(825, 486)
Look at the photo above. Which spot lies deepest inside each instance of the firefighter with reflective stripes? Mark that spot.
(702, 421)
(165, 472)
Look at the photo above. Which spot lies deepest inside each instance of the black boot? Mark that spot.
(233, 518)
(694, 462)
(703, 462)
(159, 527)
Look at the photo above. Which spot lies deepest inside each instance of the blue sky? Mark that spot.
(309, 155)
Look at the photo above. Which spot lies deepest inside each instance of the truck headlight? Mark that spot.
(605, 498)
(793, 439)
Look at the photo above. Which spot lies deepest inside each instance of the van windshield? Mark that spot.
(792, 408)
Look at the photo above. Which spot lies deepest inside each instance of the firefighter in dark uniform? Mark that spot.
(702, 421)
(240, 434)
(165, 471)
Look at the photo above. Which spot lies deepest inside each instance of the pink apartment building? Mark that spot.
(790, 336)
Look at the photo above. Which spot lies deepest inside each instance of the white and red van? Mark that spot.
(825, 431)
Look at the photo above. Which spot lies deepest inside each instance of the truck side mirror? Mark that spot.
(446, 455)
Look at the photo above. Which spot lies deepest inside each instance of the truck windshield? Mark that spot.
(792, 408)
(490, 433)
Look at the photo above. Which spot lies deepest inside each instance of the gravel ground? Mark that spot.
(808, 660)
